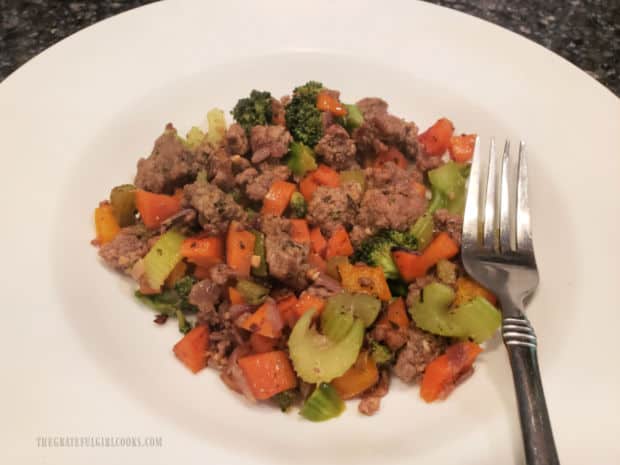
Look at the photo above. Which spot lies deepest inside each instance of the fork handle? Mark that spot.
(520, 342)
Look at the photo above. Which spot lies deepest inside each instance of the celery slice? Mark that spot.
(259, 251)
(123, 201)
(162, 258)
(254, 294)
(477, 319)
(301, 159)
(354, 118)
(323, 404)
(363, 306)
(336, 322)
(356, 176)
(318, 359)
(217, 126)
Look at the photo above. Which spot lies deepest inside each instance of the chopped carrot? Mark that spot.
(200, 272)
(155, 208)
(203, 251)
(106, 225)
(318, 244)
(307, 301)
(277, 198)
(316, 261)
(239, 249)
(391, 154)
(261, 344)
(300, 232)
(322, 176)
(192, 349)
(286, 307)
(419, 188)
(364, 279)
(412, 265)
(339, 244)
(442, 374)
(327, 102)
(307, 186)
(461, 147)
(437, 138)
(177, 273)
(396, 314)
(235, 296)
(258, 322)
(325, 176)
(467, 289)
(268, 373)
(361, 376)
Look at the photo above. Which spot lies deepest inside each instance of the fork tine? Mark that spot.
(490, 227)
(524, 227)
(506, 232)
(471, 220)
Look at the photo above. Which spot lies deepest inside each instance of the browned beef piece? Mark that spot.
(394, 337)
(219, 169)
(420, 350)
(382, 130)
(257, 184)
(331, 207)
(224, 336)
(170, 164)
(371, 400)
(129, 246)
(450, 223)
(388, 205)
(372, 106)
(215, 208)
(221, 274)
(205, 295)
(336, 148)
(425, 162)
(269, 141)
(287, 260)
(236, 140)
(327, 119)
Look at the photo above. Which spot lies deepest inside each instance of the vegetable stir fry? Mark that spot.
(309, 251)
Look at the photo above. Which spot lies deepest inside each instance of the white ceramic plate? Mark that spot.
(80, 358)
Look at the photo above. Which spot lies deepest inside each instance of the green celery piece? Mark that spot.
(438, 200)
(422, 230)
(323, 404)
(357, 176)
(354, 118)
(449, 180)
(259, 251)
(162, 258)
(336, 322)
(254, 294)
(298, 206)
(362, 306)
(301, 159)
(123, 201)
(315, 358)
(217, 126)
(477, 319)
(193, 138)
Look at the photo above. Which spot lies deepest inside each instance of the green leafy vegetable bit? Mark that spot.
(380, 353)
(298, 205)
(286, 399)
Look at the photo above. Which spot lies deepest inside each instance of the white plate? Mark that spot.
(80, 357)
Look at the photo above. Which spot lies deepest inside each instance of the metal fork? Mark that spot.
(497, 250)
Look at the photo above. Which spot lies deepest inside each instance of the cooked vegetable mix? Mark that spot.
(309, 251)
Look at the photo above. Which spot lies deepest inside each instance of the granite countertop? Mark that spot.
(586, 32)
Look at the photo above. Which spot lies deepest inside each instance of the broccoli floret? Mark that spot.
(303, 118)
(380, 353)
(298, 205)
(253, 110)
(286, 399)
(377, 250)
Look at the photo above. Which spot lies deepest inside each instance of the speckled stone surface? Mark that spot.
(586, 32)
